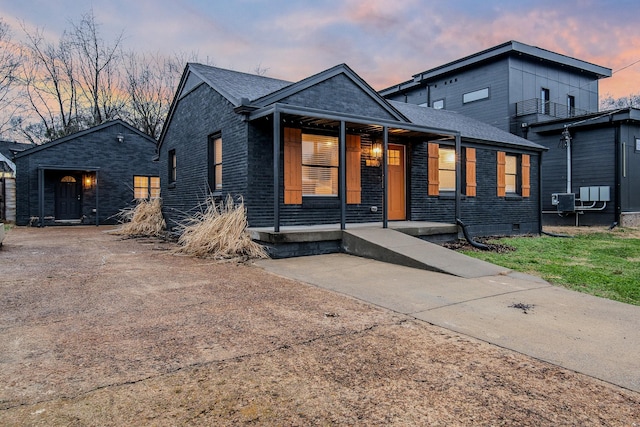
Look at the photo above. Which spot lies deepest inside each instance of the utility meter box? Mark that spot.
(566, 202)
(595, 194)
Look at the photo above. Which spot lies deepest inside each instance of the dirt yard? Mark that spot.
(100, 330)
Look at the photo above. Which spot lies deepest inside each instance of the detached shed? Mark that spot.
(86, 177)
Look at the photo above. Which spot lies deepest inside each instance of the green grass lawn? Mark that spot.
(606, 264)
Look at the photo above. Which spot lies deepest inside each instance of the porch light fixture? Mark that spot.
(89, 181)
(376, 151)
(375, 154)
(120, 137)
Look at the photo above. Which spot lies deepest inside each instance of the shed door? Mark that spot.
(396, 182)
(68, 202)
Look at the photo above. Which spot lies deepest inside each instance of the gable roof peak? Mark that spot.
(235, 85)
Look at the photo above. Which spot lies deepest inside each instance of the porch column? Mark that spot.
(41, 196)
(342, 170)
(385, 190)
(458, 176)
(276, 170)
(97, 200)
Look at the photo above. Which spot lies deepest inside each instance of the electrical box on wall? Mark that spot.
(595, 194)
(566, 202)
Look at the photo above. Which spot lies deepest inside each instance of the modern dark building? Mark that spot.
(86, 177)
(551, 99)
(330, 150)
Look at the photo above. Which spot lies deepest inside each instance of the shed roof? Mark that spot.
(469, 128)
(505, 49)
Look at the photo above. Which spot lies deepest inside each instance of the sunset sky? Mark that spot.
(384, 41)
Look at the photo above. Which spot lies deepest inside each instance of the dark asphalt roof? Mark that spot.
(469, 128)
(235, 85)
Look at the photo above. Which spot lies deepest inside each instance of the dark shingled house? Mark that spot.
(330, 150)
(86, 177)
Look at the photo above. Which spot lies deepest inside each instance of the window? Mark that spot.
(146, 187)
(447, 169)
(475, 95)
(544, 100)
(319, 165)
(438, 105)
(571, 105)
(215, 162)
(511, 173)
(172, 165)
(316, 171)
(514, 174)
(637, 144)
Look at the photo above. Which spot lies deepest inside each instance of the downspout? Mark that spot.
(567, 139)
(618, 171)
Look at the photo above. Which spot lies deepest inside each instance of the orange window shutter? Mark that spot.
(354, 187)
(292, 166)
(471, 172)
(502, 182)
(434, 170)
(526, 175)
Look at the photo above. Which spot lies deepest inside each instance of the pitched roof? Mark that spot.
(235, 85)
(469, 128)
(9, 148)
(83, 133)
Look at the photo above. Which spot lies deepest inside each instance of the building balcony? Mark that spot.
(546, 108)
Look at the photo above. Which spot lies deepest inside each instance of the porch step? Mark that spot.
(384, 244)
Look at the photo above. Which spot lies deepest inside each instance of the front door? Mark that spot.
(396, 182)
(68, 202)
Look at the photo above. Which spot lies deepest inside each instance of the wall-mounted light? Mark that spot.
(89, 181)
(375, 154)
(376, 151)
(120, 137)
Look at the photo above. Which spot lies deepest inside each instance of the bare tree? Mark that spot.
(50, 87)
(10, 61)
(611, 103)
(97, 69)
(150, 81)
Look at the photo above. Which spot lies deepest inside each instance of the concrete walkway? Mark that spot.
(590, 335)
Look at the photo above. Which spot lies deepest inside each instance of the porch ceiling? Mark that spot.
(319, 119)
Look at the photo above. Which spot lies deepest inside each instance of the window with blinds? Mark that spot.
(319, 165)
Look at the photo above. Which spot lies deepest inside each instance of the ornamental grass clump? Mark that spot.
(144, 220)
(219, 232)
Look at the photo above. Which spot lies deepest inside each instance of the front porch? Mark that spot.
(319, 239)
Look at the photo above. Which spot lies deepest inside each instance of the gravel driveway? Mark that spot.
(100, 330)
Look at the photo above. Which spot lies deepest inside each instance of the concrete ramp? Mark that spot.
(384, 244)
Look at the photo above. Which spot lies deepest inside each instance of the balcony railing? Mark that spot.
(553, 109)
